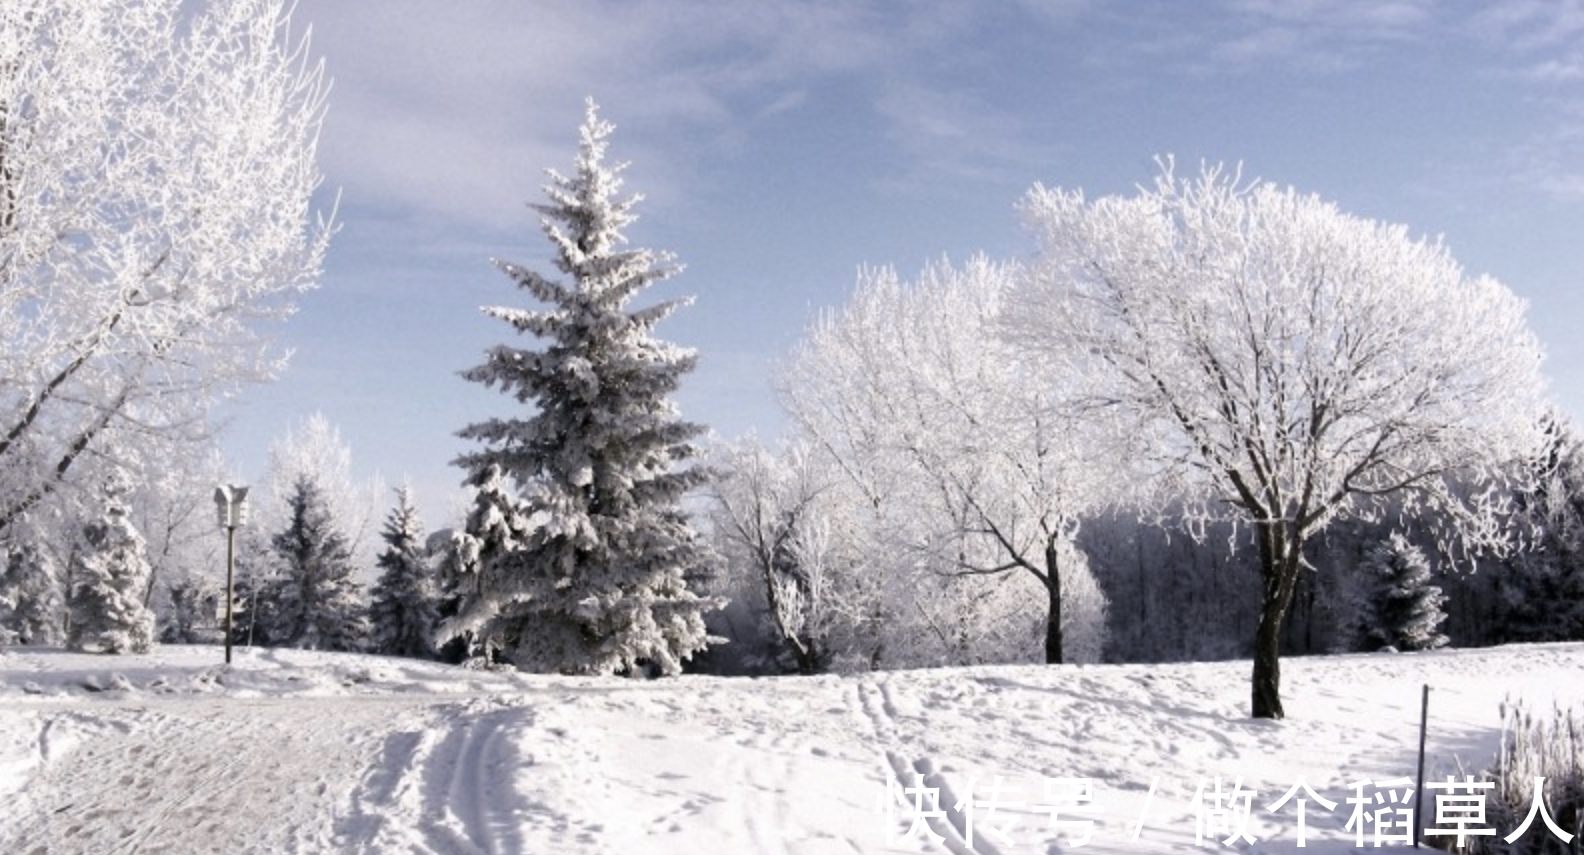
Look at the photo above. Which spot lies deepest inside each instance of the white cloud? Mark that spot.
(1314, 36)
(453, 107)
(1556, 70)
(1344, 18)
(1526, 25)
(1538, 43)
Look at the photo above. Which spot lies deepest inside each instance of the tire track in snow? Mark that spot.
(472, 799)
(446, 787)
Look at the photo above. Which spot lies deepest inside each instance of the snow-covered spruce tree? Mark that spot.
(402, 611)
(258, 575)
(1400, 608)
(314, 447)
(110, 575)
(598, 582)
(32, 605)
(315, 603)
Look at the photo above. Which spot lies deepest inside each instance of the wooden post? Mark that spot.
(1424, 715)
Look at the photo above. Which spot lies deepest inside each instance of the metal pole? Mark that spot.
(252, 601)
(1424, 715)
(230, 579)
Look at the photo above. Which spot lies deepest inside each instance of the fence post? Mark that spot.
(1424, 715)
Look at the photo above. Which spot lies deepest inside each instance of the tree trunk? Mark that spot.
(1053, 618)
(1280, 551)
(807, 656)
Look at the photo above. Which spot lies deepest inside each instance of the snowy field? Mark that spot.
(294, 751)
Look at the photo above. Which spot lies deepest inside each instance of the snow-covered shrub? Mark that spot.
(1533, 748)
(790, 591)
(195, 612)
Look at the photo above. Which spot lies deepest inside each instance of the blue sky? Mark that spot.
(781, 145)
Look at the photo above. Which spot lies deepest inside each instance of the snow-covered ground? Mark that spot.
(294, 751)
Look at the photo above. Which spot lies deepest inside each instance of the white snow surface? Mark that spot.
(297, 751)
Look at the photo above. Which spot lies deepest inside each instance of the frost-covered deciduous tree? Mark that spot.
(1399, 606)
(769, 520)
(315, 602)
(987, 475)
(157, 163)
(598, 581)
(402, 608)
(314, 449)
(173, 508)
(1285, 365)
(110, 573)
(809, 573)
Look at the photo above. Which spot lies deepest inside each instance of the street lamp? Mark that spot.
(231, 503)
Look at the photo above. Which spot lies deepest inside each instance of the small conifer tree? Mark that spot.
(110, 573)
(402, 611)
(1401, 610)
(315, 602)
(593, 580)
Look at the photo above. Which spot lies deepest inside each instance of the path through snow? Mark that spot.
(301, 752)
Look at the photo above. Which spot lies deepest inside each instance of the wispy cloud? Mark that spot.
(1343, 18)
(944, 134)
(1527, 25)
(1314, 36)
(1541, 43)
(452, 107)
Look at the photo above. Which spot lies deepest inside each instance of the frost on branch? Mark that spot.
(157, 168)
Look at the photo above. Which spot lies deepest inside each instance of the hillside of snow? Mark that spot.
(296, 752)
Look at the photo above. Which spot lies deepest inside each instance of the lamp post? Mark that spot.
(231, 505)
